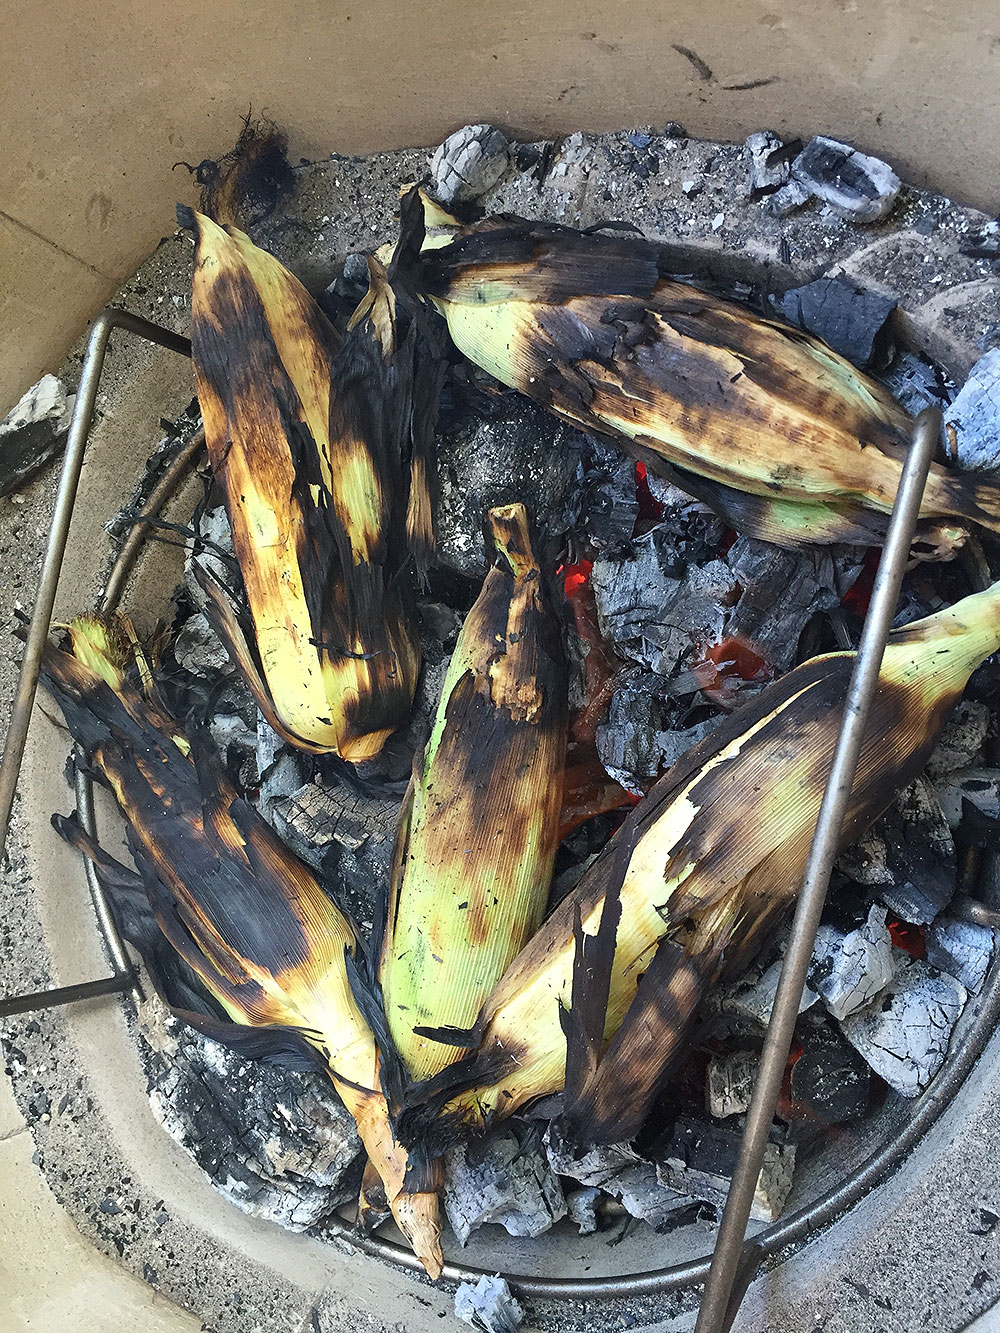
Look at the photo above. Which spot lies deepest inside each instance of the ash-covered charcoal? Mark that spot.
(610, 501)
(917, 384)
(780, 591)
(581, 1209)
(961, 949)
(650, 614)
(675, 743)
(852, 320)
(517, 452)
(788, 198)
(769, 169)
(488, 1306)
(695, 531)
(197, 648)
(281, 771)
(698, 1159)
(979, 787)
(856, 186)
(504, 1178)
(212, 548)
(907, 859)
(830, 1078)
(962, 739)
(278, 1143)
(904, 1034)
(33, 432)
(972, 422)
(628, 744)
(621, 1173)
(729, 1082)
(344, 834)
(469, 162)
(391, 770)
(849, 969)
(750, 998)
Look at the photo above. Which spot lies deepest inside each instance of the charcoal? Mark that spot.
(198, 649)
(972, 422)
(519, 452)
(505, 1179)
(33, 432)
(856, 186)
(231, 733)
(830, 1078)
(278, 1143)
(782, 590)
(980, 787)
(907, 859)
(961, 740)
(628, 744)
(961, 949)
(751, 997)
(675, 743)
(594, 1165)
(849, 969)
(853, 321)
(469, 162)
(618, 1170)
(581, 1209)
(611, 503)
(344, 834)
(916, 384)
(209, 548)
(698, 1159)
(439, 621)
(757, 148)
(788, 198)
(488, 1306)
(729, 1083)
(645, 1196)
(904, 1035)
(652, 616)
(281, 769)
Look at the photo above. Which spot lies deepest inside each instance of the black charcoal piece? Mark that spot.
(506, 1179)
(469, 162)
(33, 431)
(788, 198)
(856, 186)
(972, 422)
(907, 859)
(698, 1159)
(488, 1306)
(757, 149)
(611, 504)
(518, 452)
(849, 969)
(980, 787)
(961, 740)
(961, 949)
(628, 744)
(830, 1078)
(278, 1143)
(852, 320)
(904, 1035)
(917, 384)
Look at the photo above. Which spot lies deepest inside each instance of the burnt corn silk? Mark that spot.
(311, 442)
(601, 999)
(244, 914)
(479, 826)
(784, 438)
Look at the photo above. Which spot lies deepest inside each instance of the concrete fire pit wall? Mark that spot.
(100, 100)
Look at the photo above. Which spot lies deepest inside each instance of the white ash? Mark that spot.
(571, 165)
(729, 1083)
(962, 738)
(856, 186)
(757, 148)
(751, 997)
(198, 649)
(980, 787)
(488, 1306)
(904, 1034)
(849, 969)
(581, 1209)
(620, 1172)
(280, 769)
(231, 733)
(33, 431)
(469, 162)
(961, 949)
(505, 1179)
(972, 422)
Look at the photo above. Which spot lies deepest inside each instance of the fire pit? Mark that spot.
(201, 1095)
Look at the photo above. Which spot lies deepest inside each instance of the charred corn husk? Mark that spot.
(602, 996)
(311, 444)
(479, 827)
(768, 425)
(247, 917)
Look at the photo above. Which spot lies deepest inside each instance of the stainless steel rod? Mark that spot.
(716, 1313)
(49, 999)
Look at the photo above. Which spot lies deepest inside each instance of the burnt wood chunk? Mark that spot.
(33, 432)
(505, 1178)
(853, 321)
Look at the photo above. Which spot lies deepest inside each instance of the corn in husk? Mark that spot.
(311, 443)
(778, 433)
(601, 999)
(479, 826)
(247, 917)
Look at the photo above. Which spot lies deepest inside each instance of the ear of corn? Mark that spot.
(248, 918)
(701, 871)
(589, 327)
(310, 442)
(480, 822)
